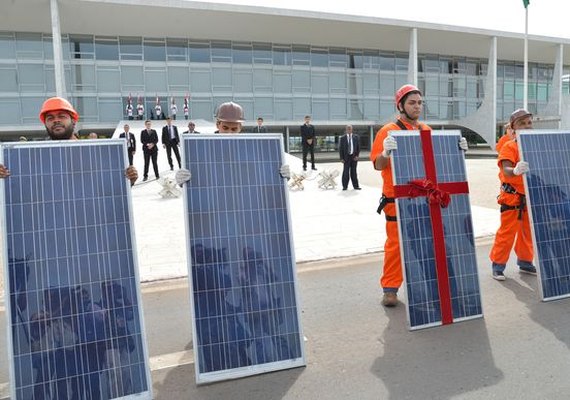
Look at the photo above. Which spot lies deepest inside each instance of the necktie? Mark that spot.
(350, 143)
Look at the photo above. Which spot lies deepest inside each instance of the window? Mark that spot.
(106, 49)
(154, 50)
(7, 46)
(130, 48)
(199, 52)
(262, 53)
(176, 50)
(82, 47)
(242, 53)
(222, 52)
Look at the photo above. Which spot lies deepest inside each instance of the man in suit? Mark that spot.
(308, 142)
(260, 128)
(149, 139)
(171, 141)
(191, 128)
(131, 142)
(349, 150)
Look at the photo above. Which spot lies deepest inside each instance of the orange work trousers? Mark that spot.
(392, 271)
(511, 228)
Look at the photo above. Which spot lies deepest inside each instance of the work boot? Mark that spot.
(498, 275)
(526, 267)
(390, 299)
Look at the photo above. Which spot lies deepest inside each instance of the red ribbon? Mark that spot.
(438, 197)
(434, 195)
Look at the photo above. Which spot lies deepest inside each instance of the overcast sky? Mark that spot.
(546, 17)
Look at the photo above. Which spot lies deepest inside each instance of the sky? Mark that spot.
(546, 17)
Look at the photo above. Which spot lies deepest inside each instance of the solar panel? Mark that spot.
(548, 199)
(241, 262)
(436, 242)
(74, 298)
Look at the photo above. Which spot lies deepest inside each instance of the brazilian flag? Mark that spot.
(526, 3)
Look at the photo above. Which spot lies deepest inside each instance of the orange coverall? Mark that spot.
(501, 142)
(391, 278)
(514, 224)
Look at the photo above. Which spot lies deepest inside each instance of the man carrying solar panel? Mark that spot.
(59, 118)
(515, 226)
(409, 103)
(229, 119)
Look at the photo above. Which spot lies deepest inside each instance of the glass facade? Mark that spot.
(275, 80)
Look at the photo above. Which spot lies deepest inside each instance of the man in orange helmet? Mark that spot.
(409, 103)
(514, 216)
(59, 118)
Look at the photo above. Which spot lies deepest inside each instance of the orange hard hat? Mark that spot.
(519, 114)
(57, 104)
(230, 112)
(403, 91)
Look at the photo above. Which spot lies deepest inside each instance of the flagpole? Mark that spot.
(525, 70)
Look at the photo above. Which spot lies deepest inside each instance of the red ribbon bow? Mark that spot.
(433, 194)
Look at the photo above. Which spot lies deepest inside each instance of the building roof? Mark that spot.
(216, 21)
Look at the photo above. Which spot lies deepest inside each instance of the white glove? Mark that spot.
(285, 171)
(463, 144)
(389, 145)
(182, 176)
(521, 168)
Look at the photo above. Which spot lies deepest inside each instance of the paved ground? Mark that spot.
(332, 226)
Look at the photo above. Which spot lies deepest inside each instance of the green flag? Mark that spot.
(526, 3)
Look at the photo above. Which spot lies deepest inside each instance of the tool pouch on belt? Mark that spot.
(383, 201)
(507, 188)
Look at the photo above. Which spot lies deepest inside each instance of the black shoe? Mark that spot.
(314, 169)
(171, 168)
(145, 179)
(498, 275)
(304, 168)
(358, 188)
(157, 177)
(343, 188)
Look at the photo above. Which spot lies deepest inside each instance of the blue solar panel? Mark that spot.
(424, 285)
(548, 198)
(241, 261)
(74, 306)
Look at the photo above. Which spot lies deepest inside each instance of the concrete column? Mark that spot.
(484, 120)
(287, 139)
(57, 50)
(413, 58)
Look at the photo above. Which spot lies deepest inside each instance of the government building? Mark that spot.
(278, 64)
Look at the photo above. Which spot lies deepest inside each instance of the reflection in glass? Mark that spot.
(73, 304)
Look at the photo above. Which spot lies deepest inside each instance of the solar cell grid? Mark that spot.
(75, 317)
(244, 299)
(418, 243)
(547, 187)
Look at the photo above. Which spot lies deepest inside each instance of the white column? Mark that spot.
(525, 69)
(57, 50)
(413, 58)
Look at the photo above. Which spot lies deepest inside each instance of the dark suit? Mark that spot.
(260, 129)
(349, 160)
(171, 143)
(308, 133)
(131, 145)
(147, 137)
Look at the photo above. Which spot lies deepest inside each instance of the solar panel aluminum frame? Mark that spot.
(215, 376)
(5, 257)
(400, 133)
(521, 135)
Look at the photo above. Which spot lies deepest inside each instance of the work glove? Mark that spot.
(389, 145)
(182, 176)
(521, 168)
(285, 171)
(463, 144)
